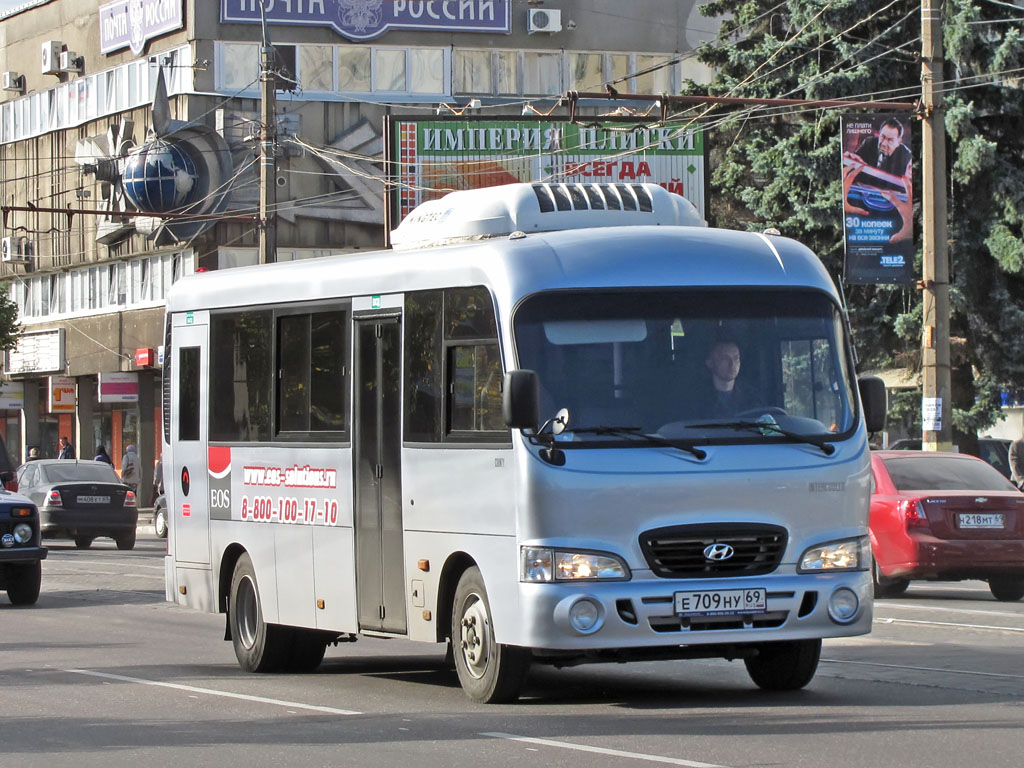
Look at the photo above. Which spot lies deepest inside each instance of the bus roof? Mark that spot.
(520, 264)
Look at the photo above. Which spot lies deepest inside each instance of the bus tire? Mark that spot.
(784, 666)
(259, 647)
(489, 672)
(23, 583)
(307, 650)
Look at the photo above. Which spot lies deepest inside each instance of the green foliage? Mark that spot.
(781, 168)
(9, 328)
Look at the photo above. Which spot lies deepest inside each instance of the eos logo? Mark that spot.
(718, 552)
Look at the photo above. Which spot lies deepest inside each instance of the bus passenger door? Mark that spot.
(185, 479)
(380, 576)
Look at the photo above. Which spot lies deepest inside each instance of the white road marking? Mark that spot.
(214, 692)
(926, 669)
(602, 750)
(886, 620)
(940, 609)
(97, 561)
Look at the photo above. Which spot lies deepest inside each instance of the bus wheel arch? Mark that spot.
(456, 564)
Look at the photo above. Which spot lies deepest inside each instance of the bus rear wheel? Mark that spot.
(785, 666)
(259, 647)
(489, 672)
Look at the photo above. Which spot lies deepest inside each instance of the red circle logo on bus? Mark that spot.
(184, 480)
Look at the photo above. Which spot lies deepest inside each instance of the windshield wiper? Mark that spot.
(760, 426)
(636, 433)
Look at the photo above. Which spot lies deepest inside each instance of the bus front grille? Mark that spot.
(713, 551)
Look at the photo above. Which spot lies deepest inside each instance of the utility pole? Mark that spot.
(936, 405)
(268, 147)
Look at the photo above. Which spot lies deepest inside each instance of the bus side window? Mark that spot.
(188, 393)
(423, 366)
(312, 355)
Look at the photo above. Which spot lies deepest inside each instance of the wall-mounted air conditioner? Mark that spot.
(544, 20)
(51, 57)
(16, 250)
(12, 81)
(70, 62)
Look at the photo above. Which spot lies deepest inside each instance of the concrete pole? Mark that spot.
(936, 406)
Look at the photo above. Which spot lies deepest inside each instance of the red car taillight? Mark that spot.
(129, 499)
(53, 499)
(913, 514)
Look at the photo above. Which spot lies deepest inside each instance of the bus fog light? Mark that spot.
(843, 605)
(585, 616)
(578, 615)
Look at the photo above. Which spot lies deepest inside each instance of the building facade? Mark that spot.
(112, 110)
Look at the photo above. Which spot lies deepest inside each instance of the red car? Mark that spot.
(945, 516)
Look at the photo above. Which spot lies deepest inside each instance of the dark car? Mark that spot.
(994, 450)
(160, 516)
(945, 516)
(80, 500)
(21, 550)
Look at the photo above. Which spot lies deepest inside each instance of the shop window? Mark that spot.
(353, 70)
(542, 73)
(620, 69)
(658, 81)
(316, 67)
(586, 71)
(389, 70)
(506, 71)
(426, 68)
(473, 72)
(239, 66)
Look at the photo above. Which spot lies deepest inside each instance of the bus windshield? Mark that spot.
(703, 365)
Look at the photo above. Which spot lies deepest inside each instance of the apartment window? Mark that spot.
(619, 68)
(658, 81)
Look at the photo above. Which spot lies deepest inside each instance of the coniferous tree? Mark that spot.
(781, 167)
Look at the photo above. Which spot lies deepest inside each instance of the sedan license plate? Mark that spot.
(721, 602)
(979, 520)
(93, 499)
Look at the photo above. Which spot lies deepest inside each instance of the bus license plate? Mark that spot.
(976, 520)
(721, 602)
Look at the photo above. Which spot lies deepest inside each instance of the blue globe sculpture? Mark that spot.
(160, 177)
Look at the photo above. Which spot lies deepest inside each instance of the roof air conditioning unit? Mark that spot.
(51, 57)
(544, 20)
(14, 82)
(15, 250)
(70, 62)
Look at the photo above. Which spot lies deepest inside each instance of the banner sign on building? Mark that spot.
(41, 352)
(118, 387)
(367, 19)
(878, 218)
(12, 395)
(132, 23)
(429, 158)
(62, 394)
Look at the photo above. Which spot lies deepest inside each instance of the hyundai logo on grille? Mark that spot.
(718, 552)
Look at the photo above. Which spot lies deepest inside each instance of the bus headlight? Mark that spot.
(844, 555)
(545, 565)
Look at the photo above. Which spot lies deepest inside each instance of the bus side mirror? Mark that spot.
(872, 396)
(520, 399)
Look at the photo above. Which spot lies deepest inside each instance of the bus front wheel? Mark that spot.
(489, 672)
(784, 666)
(259, 647)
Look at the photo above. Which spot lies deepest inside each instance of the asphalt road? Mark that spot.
(103, 672)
